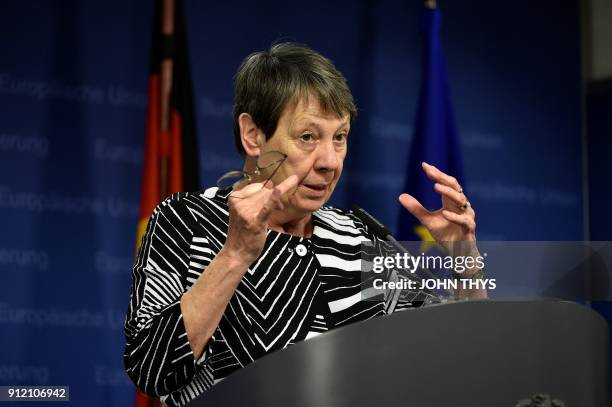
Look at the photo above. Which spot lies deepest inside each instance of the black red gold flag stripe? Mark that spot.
(171, 153)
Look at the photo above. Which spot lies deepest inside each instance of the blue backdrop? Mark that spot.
(73, 78)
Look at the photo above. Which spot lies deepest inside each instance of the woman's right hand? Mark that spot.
(249, 211)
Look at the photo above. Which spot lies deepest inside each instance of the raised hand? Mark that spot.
(249, 211)
(455, 220)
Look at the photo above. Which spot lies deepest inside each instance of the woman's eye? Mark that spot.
(307, 137)
(340, 138)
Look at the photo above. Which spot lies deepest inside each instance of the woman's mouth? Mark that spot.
(318, 190)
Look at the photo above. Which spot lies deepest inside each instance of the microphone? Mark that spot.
(378, 228)
(383, 232)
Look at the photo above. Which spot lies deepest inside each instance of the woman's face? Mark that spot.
(315, 143)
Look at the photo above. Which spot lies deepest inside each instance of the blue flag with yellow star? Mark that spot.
(435, 139)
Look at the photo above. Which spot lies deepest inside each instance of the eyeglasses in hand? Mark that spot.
(269, 161)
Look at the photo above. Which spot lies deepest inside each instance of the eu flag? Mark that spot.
(435, 139)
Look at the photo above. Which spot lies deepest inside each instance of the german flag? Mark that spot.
(171, 153)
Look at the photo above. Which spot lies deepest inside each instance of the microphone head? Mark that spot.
(375, 226)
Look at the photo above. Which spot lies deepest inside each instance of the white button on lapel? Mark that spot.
(300, 250)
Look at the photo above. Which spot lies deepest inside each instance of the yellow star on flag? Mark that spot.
(427, 240)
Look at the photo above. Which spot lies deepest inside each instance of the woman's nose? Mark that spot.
(327, 158)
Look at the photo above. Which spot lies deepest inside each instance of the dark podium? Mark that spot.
(478, 353)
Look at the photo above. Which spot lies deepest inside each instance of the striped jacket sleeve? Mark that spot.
(158, 357)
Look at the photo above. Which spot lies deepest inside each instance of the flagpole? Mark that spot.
(168, 8)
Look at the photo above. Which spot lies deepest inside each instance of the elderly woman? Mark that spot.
(226, 275)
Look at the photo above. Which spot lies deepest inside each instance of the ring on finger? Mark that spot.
(465, 205)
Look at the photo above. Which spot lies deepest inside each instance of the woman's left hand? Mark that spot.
(455, 221)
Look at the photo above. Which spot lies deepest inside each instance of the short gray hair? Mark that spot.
(267, 81)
